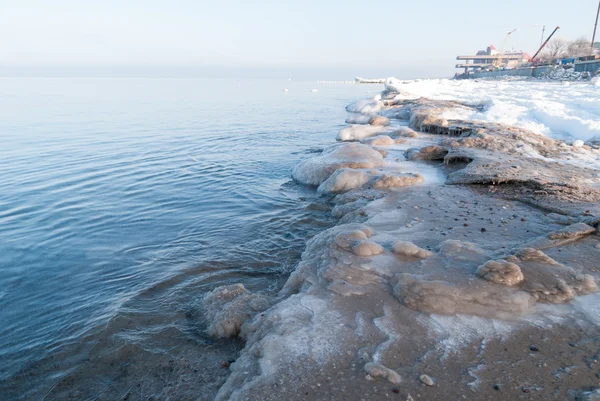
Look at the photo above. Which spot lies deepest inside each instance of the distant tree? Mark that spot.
(556, 48)
(580, 47)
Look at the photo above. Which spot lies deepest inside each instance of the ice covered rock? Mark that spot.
(227, 308)
(366, 106)
(578, 143)
(433, 152)
(359, 132)
(379, 120)
(405, 132)
(381, 140)
(392, 180)
(460, 250)
(438, 296)
(315, 170)
(367, 248)
(356, 118)
(501, 272)
(344, 179)
(406, 248)
(356, 242)
(561, 237)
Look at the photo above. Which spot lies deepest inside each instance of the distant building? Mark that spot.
(491, 58)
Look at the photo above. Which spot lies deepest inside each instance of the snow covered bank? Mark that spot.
(550, 108)
(430, 286)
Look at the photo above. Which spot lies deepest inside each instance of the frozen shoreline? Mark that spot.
(466, 251)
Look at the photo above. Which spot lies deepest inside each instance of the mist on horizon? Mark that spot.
(267, 39)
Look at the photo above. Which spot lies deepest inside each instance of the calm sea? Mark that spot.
(122, 201)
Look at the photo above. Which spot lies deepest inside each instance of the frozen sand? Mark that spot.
(481, 274)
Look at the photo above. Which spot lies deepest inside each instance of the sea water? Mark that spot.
(123, 201)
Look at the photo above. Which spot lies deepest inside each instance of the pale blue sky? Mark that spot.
(333, 39)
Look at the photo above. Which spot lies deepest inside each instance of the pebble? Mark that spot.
(409, 398)
(483, 230)
(426, 380)
(395, 390)
(534, 348)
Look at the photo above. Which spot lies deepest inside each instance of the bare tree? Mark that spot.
(556, 48)
(580, 47)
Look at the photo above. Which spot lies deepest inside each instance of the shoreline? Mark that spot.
(474, 280)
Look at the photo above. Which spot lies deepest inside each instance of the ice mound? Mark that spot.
(359, 132)
(405, 132)
(460, 250)
(379, 120)
(549, 281)
(437, 296)
(563, 236)
(227, 308)
(355, 118)
(315, 170)
(392, 180)
(381, 140)
(356, 242)
(290, 337)
(432, 152)
(406, 248)
(501, 272)
(366, 106)
(346, 179)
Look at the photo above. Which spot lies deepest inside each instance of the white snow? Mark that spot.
(550, 108)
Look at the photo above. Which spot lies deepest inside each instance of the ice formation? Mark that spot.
(415, 270)
(314, 171)
(359, 132)
(228, 307)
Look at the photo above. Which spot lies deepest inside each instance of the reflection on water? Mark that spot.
(122, 202)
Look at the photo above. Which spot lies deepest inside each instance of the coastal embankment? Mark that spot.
(535, 72)
(463, 265)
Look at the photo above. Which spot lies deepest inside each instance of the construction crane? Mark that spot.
(498, 62)
(544, 44)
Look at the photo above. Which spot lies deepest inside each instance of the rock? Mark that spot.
(409, 398)
(578, 143)
(426, 380)
(377, 370)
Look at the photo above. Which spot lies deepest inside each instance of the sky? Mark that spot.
(318, 39)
